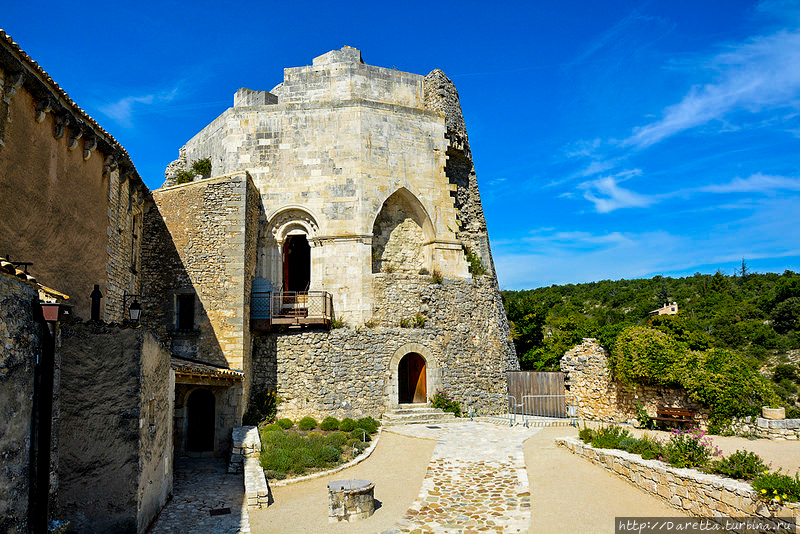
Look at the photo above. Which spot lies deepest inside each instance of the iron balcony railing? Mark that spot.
(291, 308)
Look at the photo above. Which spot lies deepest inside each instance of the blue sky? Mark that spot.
(613, 139)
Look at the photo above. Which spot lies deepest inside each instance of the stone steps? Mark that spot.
(407, 414)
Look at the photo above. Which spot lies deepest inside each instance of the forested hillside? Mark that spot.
(757, 314)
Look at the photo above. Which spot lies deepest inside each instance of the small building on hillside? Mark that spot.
(666, 309)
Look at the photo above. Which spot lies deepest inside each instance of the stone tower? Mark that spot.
(356, 187)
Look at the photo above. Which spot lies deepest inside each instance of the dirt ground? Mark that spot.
(396, 466)
(571, 494)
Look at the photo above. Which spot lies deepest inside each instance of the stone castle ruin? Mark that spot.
(346, 195)
(335, 254)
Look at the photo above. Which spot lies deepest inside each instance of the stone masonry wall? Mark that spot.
(115, 452)
(195, 243)
(777, 429)
(19, 345)
(688, 490)
(601, 398)
(353, 371)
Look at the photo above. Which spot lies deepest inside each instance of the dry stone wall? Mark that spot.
(601, 398)
(688, 490)
(20, 339)
(777, 429)
(353, 371)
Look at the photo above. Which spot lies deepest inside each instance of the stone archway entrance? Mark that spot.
(200, 418)
(412, 379)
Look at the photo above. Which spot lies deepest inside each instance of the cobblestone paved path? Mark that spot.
(476, 480)
(202, 485)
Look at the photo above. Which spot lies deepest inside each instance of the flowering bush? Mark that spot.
(744, 465)
(689, 448)
(777, 487)
(445, 402)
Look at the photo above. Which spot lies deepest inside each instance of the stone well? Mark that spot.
(350, 499)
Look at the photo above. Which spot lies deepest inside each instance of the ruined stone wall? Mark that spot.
(20, 342)
(604, 399)
(195, 243)
(69, 190)
(115, 462)
(353, 371)
(441, 96)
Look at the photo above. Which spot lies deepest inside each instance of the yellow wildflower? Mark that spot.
(763, 491)
(784, 496)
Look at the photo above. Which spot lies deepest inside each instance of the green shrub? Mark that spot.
(307, 423)
(356, 444)
(272, 428)
(777, 487)
(476, 267)
(202, 167)
(347, 425)
(369, 424)
(437, 277)
(263, 407)
(330, 454)
(586, 434)
(285, 423)
(361, 434)
(609, 437)
(419, 320)
(723, 380)
(442, 400)
(329, 423)
(643, 417)
(337, 438)
(689, 448)
(744, 465)
(647, 447)
(792, 413)
(184, 177)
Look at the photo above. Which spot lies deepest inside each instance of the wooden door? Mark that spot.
(421, 385)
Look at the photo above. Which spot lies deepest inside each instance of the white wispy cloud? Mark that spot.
(760, 74)
(549, 256)
(124, 109)
(756, 183)
(607, 195)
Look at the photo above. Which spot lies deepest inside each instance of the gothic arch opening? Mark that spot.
(412, 379)
(398, 233)
(200, 420)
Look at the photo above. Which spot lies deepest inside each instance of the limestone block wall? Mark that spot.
(342, 138)
(353, 371)
(688, 490)
(74, 193)
(115, 450)
(601, 398)
(20, 343)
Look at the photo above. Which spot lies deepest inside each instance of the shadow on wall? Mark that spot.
(172, 307)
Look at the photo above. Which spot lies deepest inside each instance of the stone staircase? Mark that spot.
(406, 414)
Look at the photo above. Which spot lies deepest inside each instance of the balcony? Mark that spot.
(290, 308)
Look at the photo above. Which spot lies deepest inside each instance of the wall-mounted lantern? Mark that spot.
(135, 309)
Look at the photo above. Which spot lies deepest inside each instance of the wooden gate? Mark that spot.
(548, 392)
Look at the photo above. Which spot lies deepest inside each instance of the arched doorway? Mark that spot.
(296, 263)
(412, 379)
(200, 418)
